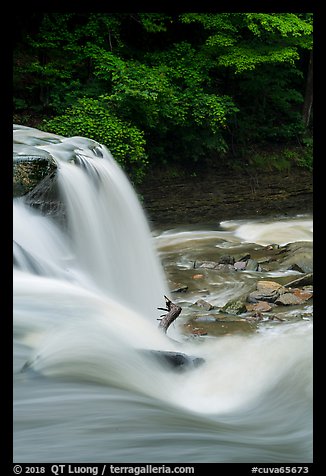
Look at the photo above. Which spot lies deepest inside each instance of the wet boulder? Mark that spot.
(239, 265)
(252, 265)
(298, 256)
(35, 171)
(30, 170)
(267, 291)
(277, 294)
(31, 164)
(204, 305)
(234, 306)
(226, 259)
(288, 299)
(259, 306)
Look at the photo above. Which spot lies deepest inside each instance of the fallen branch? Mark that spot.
(173, 311)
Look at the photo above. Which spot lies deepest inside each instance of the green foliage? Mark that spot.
(244, 58)
(165, 92)
(271, 161)
(155, 22)
(284, 159)
(243, 41)
(212, 110)
(165, 87)
(287, 25)
(305, 158)
(92, 119)
(263, 52)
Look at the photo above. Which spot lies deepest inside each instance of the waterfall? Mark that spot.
(107, 238)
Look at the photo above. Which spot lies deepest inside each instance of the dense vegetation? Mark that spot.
(170, 89)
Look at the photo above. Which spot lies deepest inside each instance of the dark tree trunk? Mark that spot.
(307, 105)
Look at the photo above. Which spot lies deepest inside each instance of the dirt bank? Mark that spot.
(213, 196)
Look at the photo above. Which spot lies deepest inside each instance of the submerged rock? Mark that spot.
(220, 325)
(175, 360)
(228, 263)
(213, 265)
(180, 289)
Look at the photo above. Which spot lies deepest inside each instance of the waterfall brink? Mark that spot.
(108, 237)
(110, 234)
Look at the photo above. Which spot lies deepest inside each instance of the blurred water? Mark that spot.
(85, 303)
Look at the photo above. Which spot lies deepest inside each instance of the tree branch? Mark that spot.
(173, 311)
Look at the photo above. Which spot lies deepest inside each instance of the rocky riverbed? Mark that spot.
(228, 285)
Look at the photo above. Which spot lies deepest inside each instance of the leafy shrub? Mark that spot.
(92, 119)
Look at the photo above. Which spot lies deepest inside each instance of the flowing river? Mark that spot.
(85, 306)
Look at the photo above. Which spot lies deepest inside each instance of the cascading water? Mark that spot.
(108, 233)
(85, 301)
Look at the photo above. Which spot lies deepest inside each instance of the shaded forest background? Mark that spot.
(178, 92)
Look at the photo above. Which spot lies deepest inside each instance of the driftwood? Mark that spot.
(173, 311)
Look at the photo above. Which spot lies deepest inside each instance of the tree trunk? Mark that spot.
(307, 105)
